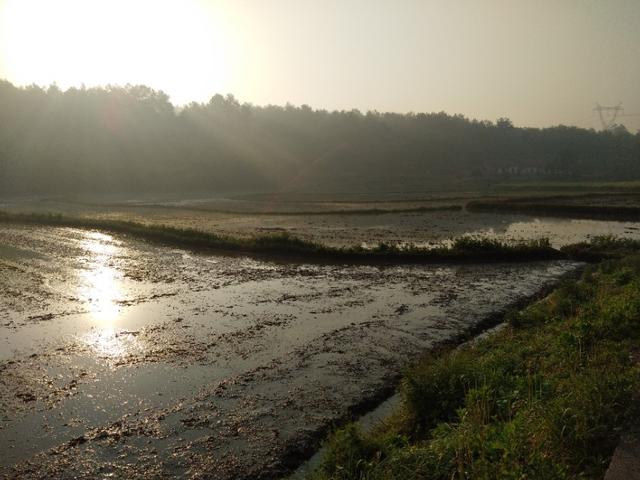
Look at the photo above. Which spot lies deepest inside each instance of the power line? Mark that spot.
(608, 115)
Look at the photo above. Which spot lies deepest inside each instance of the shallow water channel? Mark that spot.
(122, 359)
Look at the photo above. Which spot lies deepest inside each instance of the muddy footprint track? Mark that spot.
(126, 360)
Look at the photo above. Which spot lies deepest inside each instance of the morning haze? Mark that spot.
(540, 63)
(403, 247)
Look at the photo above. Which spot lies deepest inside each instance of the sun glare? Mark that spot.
(100, 281)
(174, 45)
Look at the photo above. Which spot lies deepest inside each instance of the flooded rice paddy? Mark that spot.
(121, 359)
(420, 228)
(340, 228)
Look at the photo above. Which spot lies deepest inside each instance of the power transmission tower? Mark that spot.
(608, 115)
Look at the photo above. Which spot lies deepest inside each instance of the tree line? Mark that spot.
(132, 139)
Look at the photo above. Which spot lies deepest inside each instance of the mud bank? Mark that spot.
(123, 359)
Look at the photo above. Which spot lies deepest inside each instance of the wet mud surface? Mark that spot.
(121, 359)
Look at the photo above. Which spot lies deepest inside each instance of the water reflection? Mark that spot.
(559, 231)
(110, 343)
(101, 290)
(100, 286)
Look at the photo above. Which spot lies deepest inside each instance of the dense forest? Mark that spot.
(126, 139)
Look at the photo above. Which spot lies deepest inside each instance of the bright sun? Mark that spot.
(174, 45)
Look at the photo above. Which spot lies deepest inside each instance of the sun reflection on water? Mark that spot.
(100, 281)
(101, 290)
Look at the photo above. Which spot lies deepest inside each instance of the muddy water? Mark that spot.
(119, 359)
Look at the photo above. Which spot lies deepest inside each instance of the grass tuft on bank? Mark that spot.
(546, 397)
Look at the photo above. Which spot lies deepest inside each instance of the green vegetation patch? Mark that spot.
(602, 248)
(546, 397)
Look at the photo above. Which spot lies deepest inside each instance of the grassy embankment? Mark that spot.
(547, 397)
(462, 250)
(559, 206)
(569, 186)
(284, 213)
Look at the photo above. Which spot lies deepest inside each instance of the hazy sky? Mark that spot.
(539, 62)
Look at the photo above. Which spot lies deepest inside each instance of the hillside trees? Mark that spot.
(131, 138)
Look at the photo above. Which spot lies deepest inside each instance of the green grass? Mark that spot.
(545, 398)
(284, 244)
